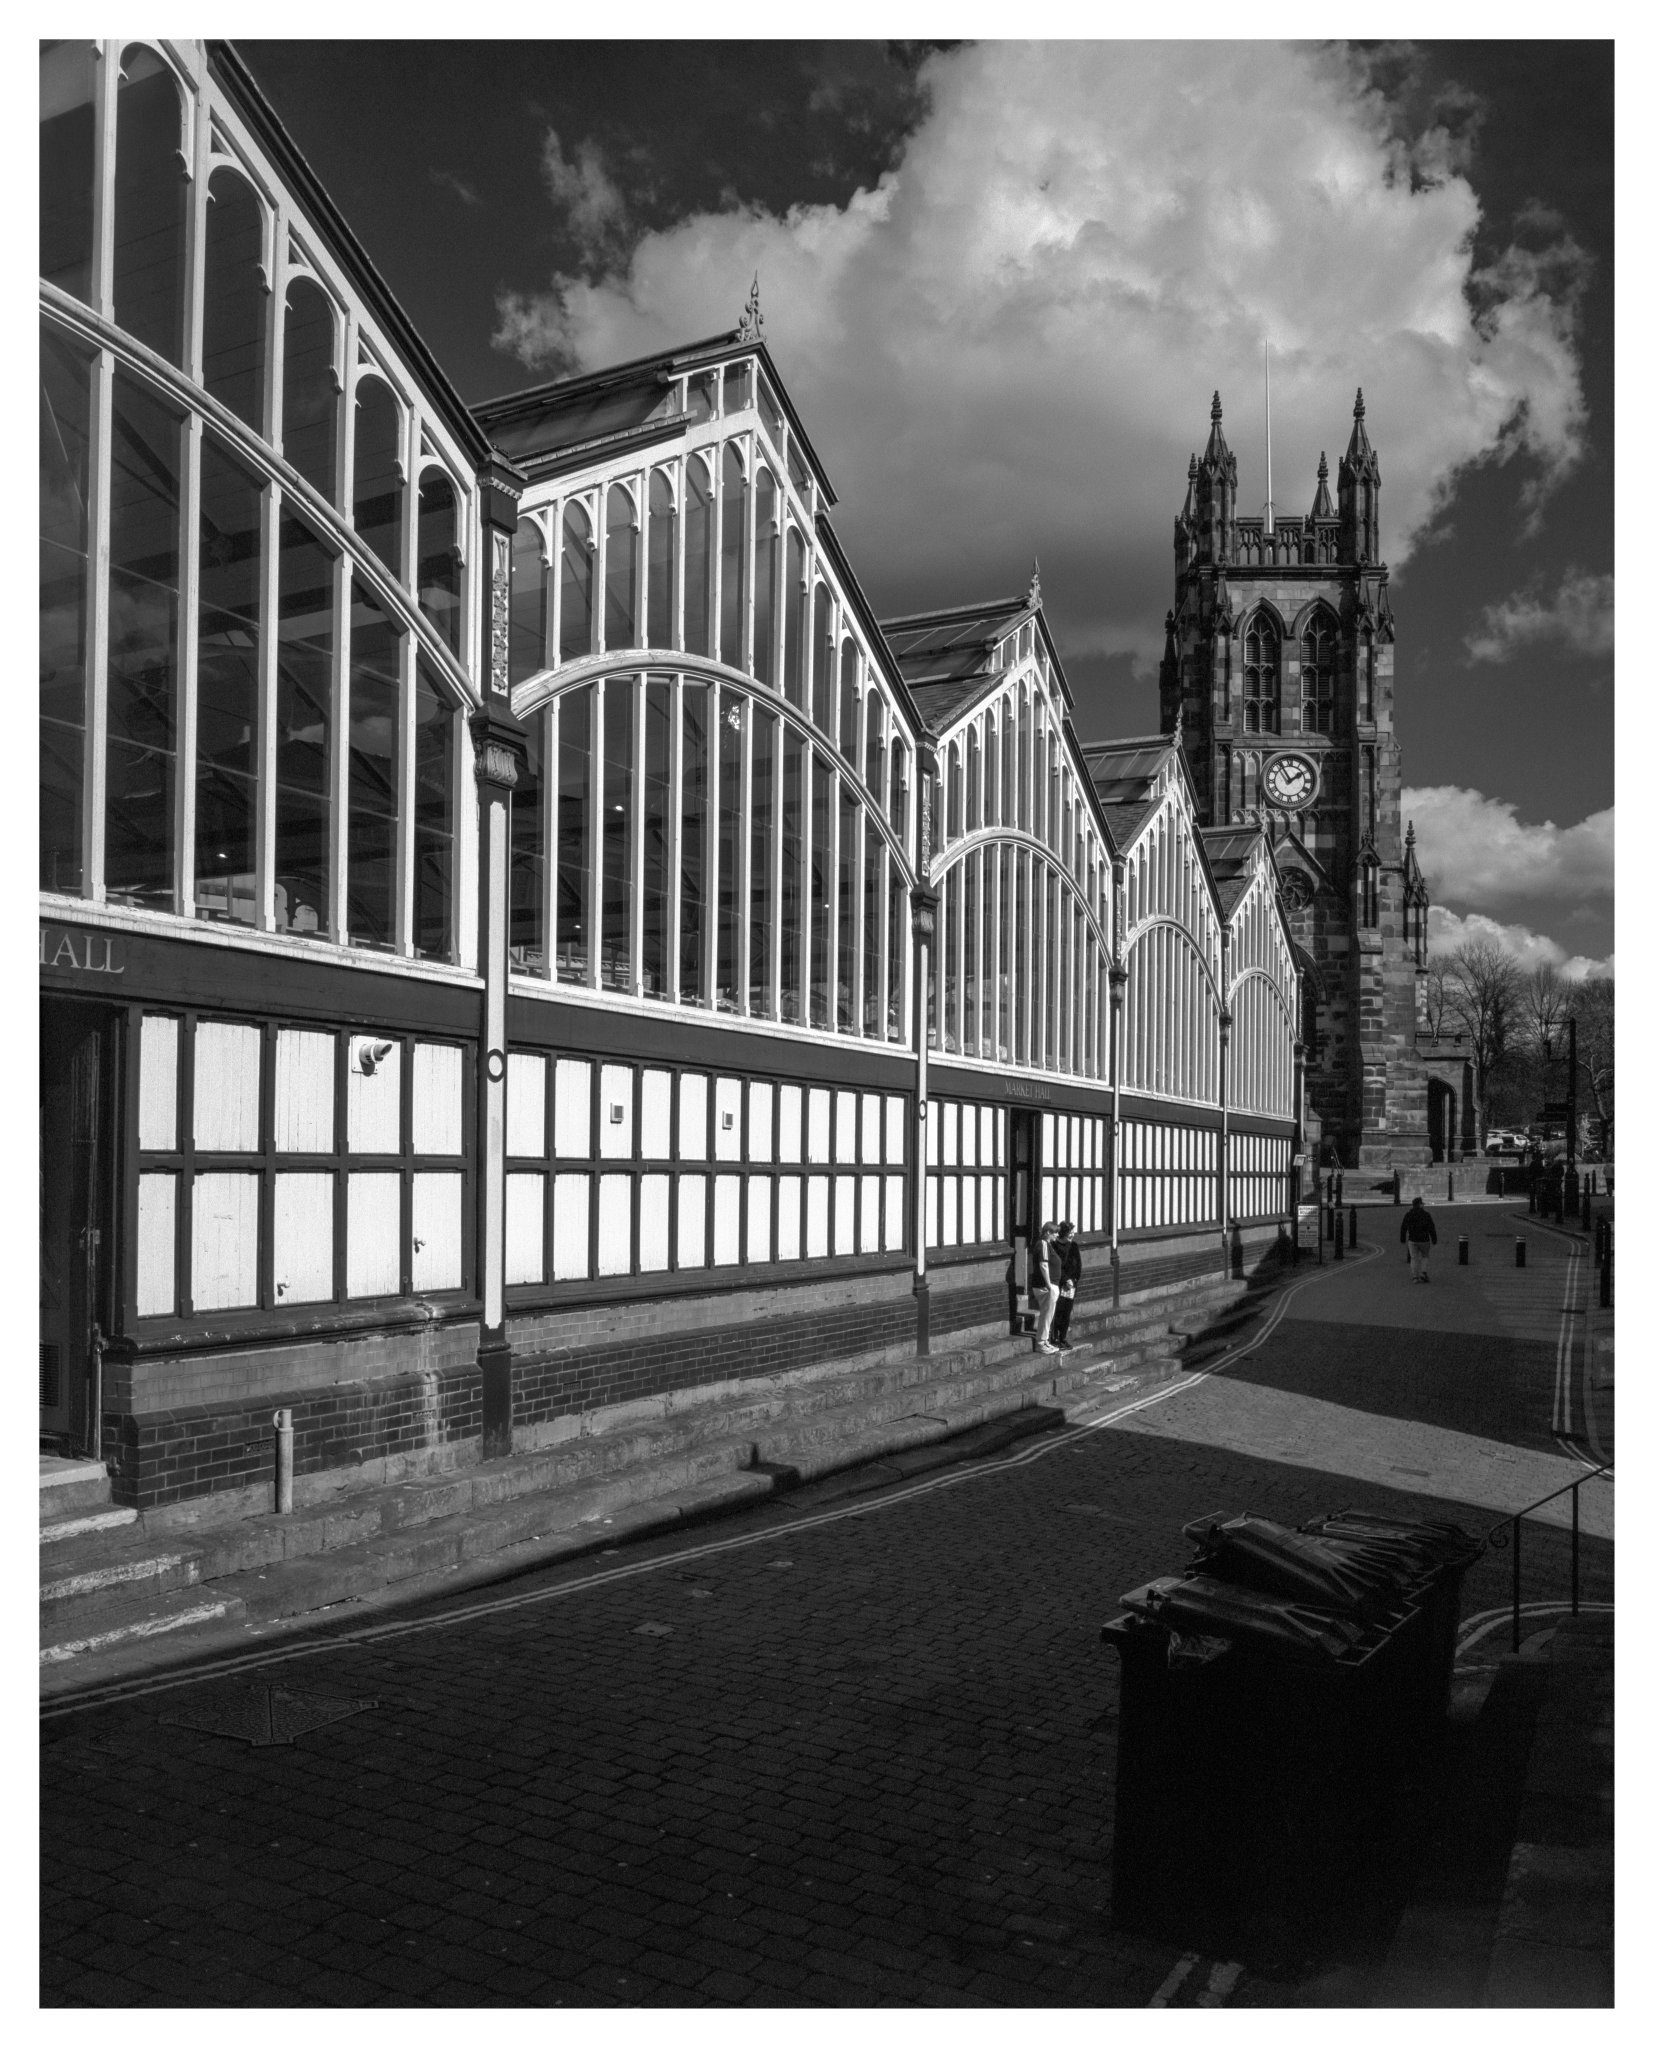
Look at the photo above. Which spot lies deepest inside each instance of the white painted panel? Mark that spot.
(373, 1101)
(226, 1087)
(967, 1209)
(950, 1208)
(726, 1220)
(787, 1201)
(437, 1246)
(950, 1133)
(758, 1217)
(373, 1234)
(933, 1132)
(726, 1118)
(821, 1141)
(870, 1198)
(967, 1134)
(157, 1243)
(792, 1120)
(844, 1214)
(438, 1085)
(653, 1223)
(614, 1223)
(895, 1128)
(1048, 1137)
(985, 1231)
(570, 1223)
(614, 1121)
(525, 1105)
(1048, 1199)
(871, 1129)
(692, 1116)
(224, 1241)
(525, 1228)
(303, 1237)
(895, 1194)
(304, 1097)
(815, 1211)
(692, 1219)
(1000, 1231)
(760, 1119)
(158, 1095)
(844, 1128)
(654, 1126)
(930, 1211)
(573, 1107)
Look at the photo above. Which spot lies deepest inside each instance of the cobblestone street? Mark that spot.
(855, 1747)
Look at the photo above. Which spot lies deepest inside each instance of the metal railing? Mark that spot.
(1498, 1539)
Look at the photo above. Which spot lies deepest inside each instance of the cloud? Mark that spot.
(1449, 931)
(585, 190)
(450, 181)
(1579, 618)
(1475, 851)
(1007, 347)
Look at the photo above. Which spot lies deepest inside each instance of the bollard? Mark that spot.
(1395, 1188)
(283, 1420)
(1521, 1251)
(1585, 1210)
(1450, 1187)
(1464, 1251)
(1338, 1235)
(1533, 1196)
(1352, 1230)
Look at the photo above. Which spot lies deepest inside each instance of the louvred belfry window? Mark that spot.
(1318, 671)
(1262, 686)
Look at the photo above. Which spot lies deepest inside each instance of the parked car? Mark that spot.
(1505, 1141)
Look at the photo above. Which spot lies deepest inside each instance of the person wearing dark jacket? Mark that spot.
(1065, 1270)
(1418, 1234)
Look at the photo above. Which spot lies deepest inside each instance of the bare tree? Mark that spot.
(1546, 1000)
(1435, 1001)
(1592, 1009)
(1481, 989)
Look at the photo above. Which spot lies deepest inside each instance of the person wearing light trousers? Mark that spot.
(1042, 1285)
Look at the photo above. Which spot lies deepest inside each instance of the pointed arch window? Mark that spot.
(236, 299)
(1318, 671)
(574, 634)
(766, 570)
(734, 604)
(620, 569)
(151, 205)
(822, 659)
(1262, 683)
(663, 558)
(847, 666)
(439, 556)
(309, 389)
(697, 560)
(68, 84)
(376, 503)
(528, 600)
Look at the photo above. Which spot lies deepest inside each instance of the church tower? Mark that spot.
(1280, 663)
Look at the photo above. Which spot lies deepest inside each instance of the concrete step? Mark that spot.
(62, 1531)
(71, 1487)
(132, 1624)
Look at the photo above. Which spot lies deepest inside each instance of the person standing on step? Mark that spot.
(1418, 1234)
(1042, 1286)
(1065, 1270)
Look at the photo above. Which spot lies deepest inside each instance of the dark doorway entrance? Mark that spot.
(1444, 1121)
(1024, 1207)
(78, 1070)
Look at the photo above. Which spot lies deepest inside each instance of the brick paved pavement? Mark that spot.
(854, 1748)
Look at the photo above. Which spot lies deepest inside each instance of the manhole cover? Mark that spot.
(263, 1715)
(653, 1628)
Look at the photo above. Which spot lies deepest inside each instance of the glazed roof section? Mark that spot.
(951, 657)
(585, 417)
(1232, 855)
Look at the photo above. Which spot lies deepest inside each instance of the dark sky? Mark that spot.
(436, 155)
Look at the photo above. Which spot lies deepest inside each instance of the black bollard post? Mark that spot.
(1450, 1186)
(1395, 1188)
(1352, 1230)
(1338, 1235)
(1521, 1251)
(1585, 1210)
(1464, 1251)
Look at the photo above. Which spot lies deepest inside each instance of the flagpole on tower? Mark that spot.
(1268, 452)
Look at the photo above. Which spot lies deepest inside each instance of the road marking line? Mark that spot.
(1222, 1981)
(1179, 1970)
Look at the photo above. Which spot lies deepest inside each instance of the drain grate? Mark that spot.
(263, 1715)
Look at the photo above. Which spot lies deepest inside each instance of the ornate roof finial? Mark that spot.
(1360, 404)
(1033, 586)
(1194, 467)
(1409, 831)
(750, 327)
(1217, 408)
(1321, 473)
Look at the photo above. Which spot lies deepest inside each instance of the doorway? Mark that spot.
(1024, 1211)
(77, 1179)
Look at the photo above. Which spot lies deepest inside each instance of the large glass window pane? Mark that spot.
(528, 851)
(973, 780)
(990, 773)
(794, 652)
(821, 891)
(65, 437)
(376, 499)
(848, 664)
(1024, 757)
(620, 569)
(792, 876)
(731, 851)
(579, 553)
(697, 561)
(769, 410)
(896, 955)
(1007, 942)
(574, 768)
(236, 304)
(874, 994)
(876, 748)
(954, 821)
(737, 387)
(433, 872)
(528, 600)
(766, 568)
(438, 546)
(971, 935)
(304, 729)
(898, 789)
(309, 392)
(733, 612)
(663, 559)
(692, 855)
(68, 72)
(657, 830)
(146, 469)
(375, 705)
(849, 837)
(821, 662)
(151, 204)
(1022, 959)
(948, 943)
(619, 705)
(761, 927)
(227, 665)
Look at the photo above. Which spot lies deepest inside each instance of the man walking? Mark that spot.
(1042, 1286)
(1065, 1270)
(1418, 1234)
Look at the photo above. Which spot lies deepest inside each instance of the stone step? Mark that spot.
(71, 1487)
(133, 1624)
(62, 1531)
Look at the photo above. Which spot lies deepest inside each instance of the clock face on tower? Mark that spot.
(1290, 781)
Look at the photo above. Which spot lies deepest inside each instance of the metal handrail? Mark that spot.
(1514, 1540)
